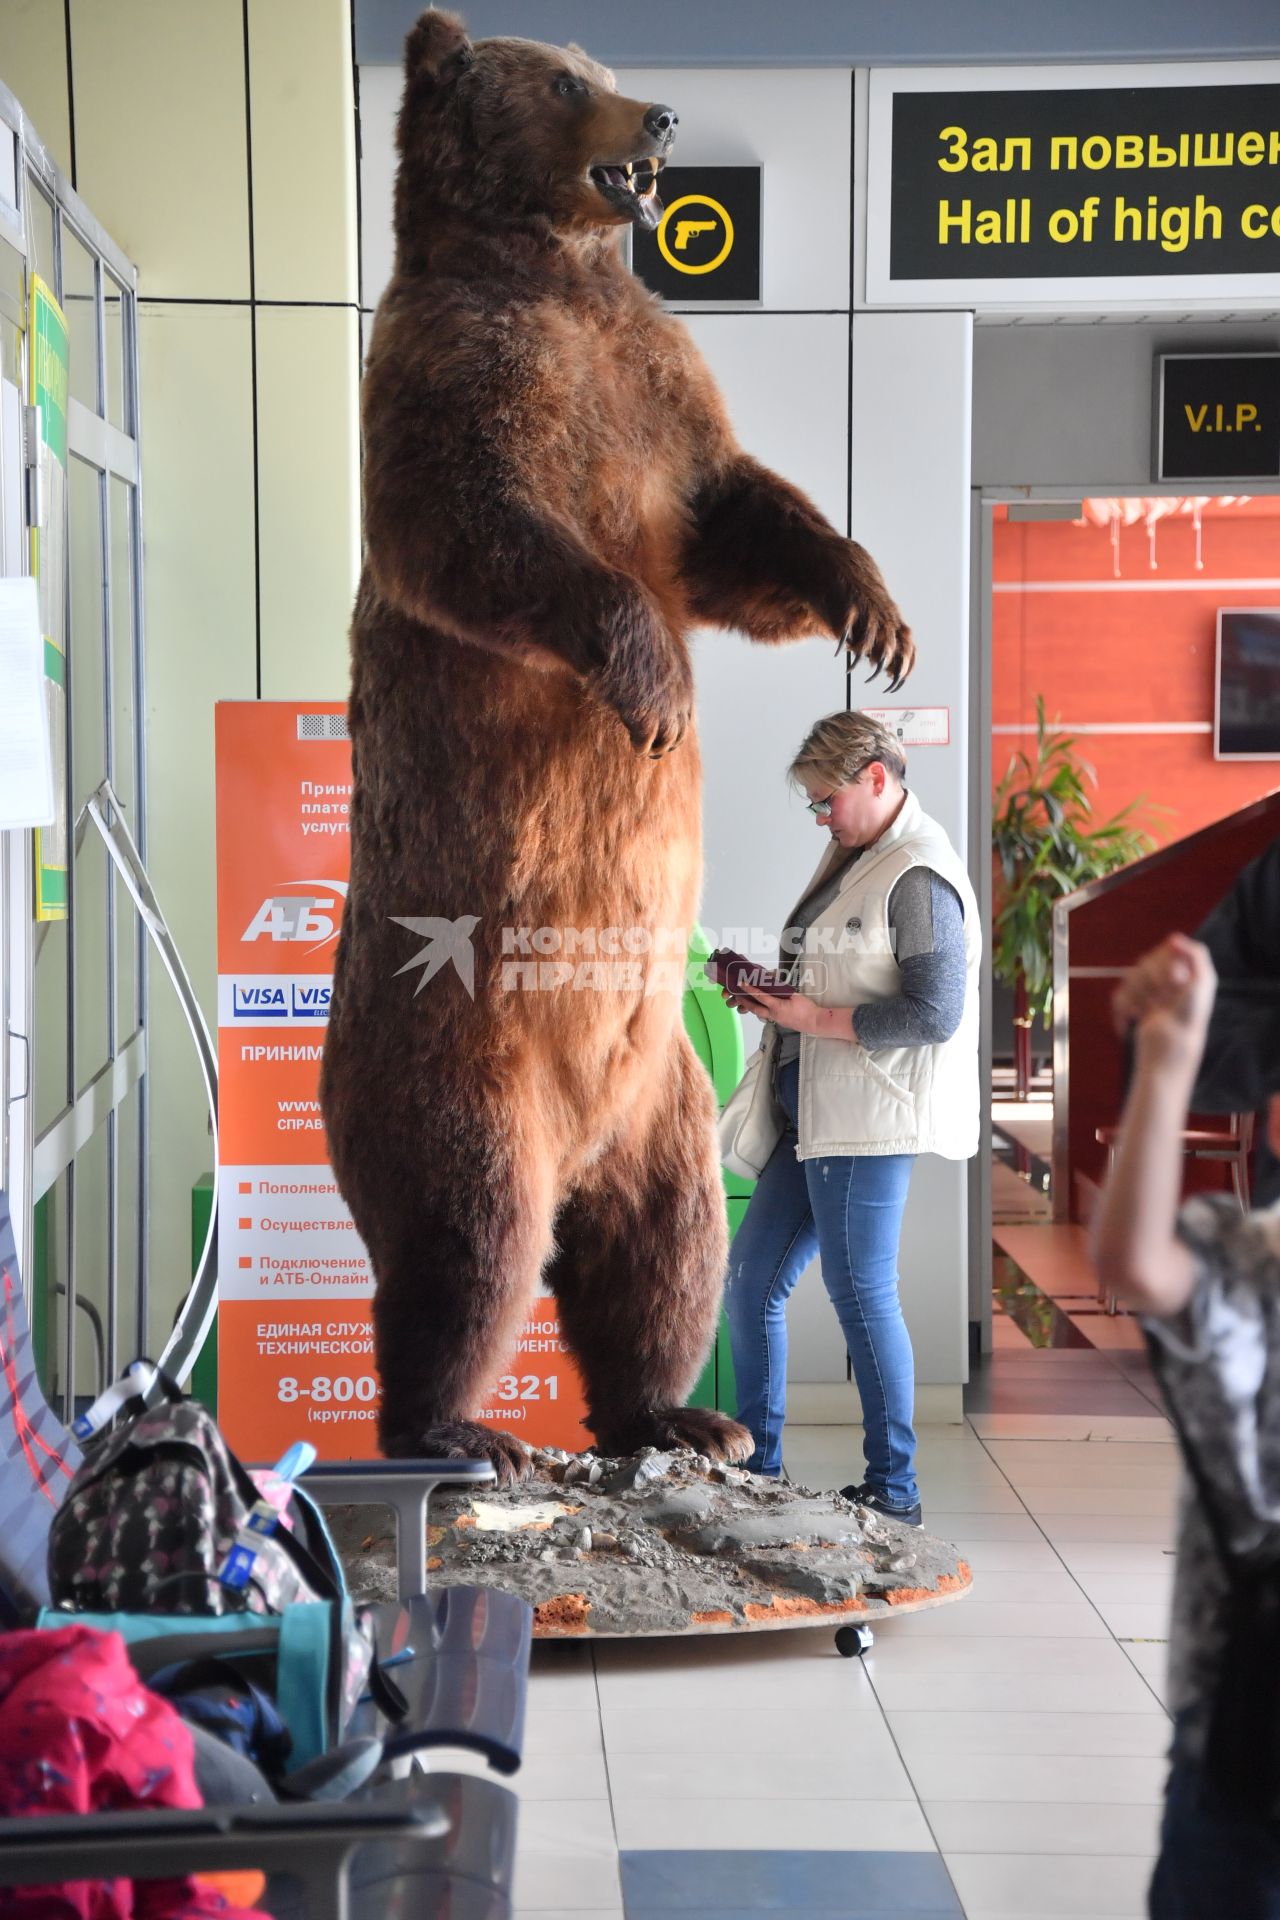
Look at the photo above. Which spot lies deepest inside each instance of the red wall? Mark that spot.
(1131, 651)
(1171, 891)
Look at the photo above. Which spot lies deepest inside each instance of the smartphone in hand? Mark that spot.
(733, 970)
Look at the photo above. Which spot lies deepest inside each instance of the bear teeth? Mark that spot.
(639, 178)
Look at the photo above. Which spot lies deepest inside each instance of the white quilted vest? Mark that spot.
(857, 1100)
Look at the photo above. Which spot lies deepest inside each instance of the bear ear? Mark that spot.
(437, 47)
(582, 54)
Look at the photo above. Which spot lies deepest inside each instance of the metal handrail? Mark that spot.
(196, 1316)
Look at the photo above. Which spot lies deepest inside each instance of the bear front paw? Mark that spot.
(651, 691)
(870, 624)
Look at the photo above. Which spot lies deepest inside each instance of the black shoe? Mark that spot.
(865, 1496)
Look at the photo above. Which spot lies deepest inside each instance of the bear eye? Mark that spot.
(566, 85)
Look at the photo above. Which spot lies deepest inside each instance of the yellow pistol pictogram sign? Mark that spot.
(697, 207)
(685, 230)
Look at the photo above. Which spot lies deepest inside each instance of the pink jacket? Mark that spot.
(79, 1733)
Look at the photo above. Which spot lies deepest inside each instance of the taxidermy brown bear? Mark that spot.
(553, 499)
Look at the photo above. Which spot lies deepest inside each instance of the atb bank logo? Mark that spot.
(309, 919)
(259, 1001)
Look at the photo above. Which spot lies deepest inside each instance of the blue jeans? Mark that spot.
(1214, 1864)
(848, 1210)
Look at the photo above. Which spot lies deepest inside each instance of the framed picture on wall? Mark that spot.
(1246, 707)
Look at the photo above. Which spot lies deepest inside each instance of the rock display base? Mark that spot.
(665, 1543)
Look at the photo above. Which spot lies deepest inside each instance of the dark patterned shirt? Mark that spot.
(1218, 1363)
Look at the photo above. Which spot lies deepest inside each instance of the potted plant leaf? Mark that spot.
(1046, 845)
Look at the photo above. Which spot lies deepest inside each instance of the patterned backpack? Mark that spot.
(154, 1512)
(164, 1537)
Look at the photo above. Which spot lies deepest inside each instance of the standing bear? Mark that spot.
(553, 498)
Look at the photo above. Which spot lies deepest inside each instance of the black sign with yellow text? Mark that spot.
(1085, 183)
(1218, 416)
(706, 247)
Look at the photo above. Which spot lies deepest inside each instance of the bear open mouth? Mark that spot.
(633, 186)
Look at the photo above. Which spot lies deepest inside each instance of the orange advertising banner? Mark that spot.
(303, 1370)
(295, 1344)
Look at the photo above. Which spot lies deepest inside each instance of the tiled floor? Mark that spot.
(998, 1757)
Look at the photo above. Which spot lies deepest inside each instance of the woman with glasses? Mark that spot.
(873, 1060)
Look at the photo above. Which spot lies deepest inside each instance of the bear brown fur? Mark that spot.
(553, 499)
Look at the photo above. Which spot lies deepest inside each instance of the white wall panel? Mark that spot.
(167, 174)
(197, 467)
(909, 490)
(379, 104)
(785, 381)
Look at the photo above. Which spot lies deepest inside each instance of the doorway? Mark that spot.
(1095, 676)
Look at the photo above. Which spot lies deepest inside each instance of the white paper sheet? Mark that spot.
(26, 767)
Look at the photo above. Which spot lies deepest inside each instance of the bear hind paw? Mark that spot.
(463, 1440)
(701, 1428)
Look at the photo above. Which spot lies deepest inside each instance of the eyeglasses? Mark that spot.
(817, 807)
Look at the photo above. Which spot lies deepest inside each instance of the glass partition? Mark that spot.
(73, 1072)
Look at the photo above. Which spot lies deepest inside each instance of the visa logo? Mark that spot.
(311, 1002)
(259, 1003)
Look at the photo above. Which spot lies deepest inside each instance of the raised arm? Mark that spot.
(1138, 1254)
(760, 557)
(457, 540)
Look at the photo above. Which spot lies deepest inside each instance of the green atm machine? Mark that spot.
(716, 1032)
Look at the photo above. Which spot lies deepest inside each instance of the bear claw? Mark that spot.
(701, 1428)
(467, 1440)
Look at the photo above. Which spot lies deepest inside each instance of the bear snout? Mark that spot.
(661, 122)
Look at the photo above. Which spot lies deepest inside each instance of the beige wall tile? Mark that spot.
(308, 497)
(198, 561)
(33, 65)
(304, 162)
(161, 148)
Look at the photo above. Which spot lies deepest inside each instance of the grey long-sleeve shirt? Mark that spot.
(926, 920)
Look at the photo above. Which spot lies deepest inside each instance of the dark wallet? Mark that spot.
(734, 970)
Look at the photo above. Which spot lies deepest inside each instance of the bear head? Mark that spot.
(514, 132)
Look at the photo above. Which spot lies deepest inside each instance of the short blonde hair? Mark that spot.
(838, 747)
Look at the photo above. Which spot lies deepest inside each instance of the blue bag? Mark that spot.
(294, 1658)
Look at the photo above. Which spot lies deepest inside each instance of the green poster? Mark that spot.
(48, 391)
